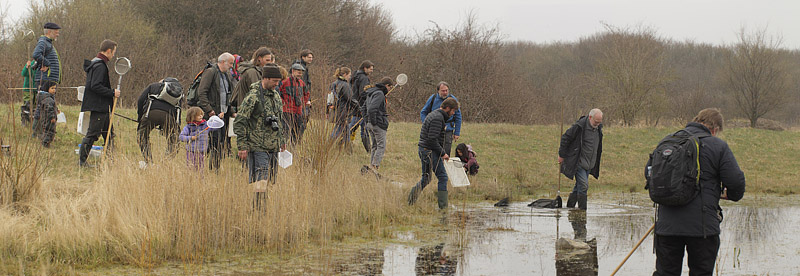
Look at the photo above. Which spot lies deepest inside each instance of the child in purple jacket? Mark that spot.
(197, 137)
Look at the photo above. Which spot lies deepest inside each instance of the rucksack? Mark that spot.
(191, 95)
(171, 92)
(674, 174)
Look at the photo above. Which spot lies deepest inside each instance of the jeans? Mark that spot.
(432, 163)
(702, 254)
(581, 181)
(262, 166)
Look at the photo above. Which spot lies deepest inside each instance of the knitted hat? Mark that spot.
(271, 71)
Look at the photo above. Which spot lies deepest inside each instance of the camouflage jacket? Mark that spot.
(253, 129)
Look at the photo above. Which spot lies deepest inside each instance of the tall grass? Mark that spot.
(124, 214)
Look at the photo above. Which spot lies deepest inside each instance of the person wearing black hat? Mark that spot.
(46, 65)
(158, 107)
(259, 132)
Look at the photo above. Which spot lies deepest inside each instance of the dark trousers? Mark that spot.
(448, 141)
(48, 132)
(216, 146)
(98, 126)
(702, 254)
(432, 164)
(295, 125)
(157, 119)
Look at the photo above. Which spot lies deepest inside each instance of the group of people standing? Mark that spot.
(268, 107)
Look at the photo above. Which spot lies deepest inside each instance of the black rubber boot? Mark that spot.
(414, 194)
(573, 198)
(582, 202)
(441, 197)
(86, 147)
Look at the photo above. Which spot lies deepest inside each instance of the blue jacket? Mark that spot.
(46, 55)
(433, 103)
(193, 129)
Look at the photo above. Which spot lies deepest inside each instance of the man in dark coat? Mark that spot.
(158, 107)
(98, 99)
(213, 95)
(431, 152)
(358, 82)
(694, 227)
(579, 154)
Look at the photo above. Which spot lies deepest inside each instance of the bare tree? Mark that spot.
(629, 72)
(757, 74)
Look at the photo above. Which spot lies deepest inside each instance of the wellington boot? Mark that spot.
(413, 195)
(441, 196)
(582, 202)
(573, 198)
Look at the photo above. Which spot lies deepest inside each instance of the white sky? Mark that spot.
(711, 21)
(541, 21)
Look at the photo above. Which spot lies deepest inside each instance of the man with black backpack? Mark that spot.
(688, 211)
(158, 107)
(453, 131)
(579, 154)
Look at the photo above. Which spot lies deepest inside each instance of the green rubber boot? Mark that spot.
(441, 196)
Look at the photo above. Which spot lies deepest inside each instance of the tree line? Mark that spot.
(635, 75)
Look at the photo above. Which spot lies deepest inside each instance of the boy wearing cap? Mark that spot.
(295, 96)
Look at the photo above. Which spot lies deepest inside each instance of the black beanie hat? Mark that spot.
(271, 71)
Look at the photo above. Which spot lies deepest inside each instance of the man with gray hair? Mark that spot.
(579, 154)
(213, 94)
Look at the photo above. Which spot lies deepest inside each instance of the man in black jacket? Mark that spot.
(579, 154)
(694, 227)
(158, 107)
(213, 95)
(97, 99)
(431, 152)
(377, 120)
(358, 82)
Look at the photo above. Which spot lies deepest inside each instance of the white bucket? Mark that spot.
(83, 122)
(80, 92)
(61, 118)
(284, 159)
(456, 173)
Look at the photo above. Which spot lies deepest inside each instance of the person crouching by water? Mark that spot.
(196, 135)
(259, 131)
(431, 151)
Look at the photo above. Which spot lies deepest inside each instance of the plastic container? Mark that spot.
(61, 118)
(284, 159)
(95, 152)
(230, 127)
(80, 92)
(83, 117)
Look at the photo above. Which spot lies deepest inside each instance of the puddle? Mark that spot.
(519, 240)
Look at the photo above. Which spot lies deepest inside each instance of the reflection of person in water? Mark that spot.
(432, 260)
(577, 218)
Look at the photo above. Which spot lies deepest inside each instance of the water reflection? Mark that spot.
(434, 260)
(576, 256)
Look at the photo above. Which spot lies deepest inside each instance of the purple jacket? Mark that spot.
(192, 129)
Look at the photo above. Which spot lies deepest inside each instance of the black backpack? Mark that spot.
(674, 174)
(191, 95)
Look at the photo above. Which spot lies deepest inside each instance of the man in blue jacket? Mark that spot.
(46, 56)
(453, 130)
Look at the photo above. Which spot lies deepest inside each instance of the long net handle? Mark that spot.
(634, 249)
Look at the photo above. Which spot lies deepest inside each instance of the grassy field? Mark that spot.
(63, 216)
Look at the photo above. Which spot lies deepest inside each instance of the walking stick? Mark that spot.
(634, 249)
(121, 66)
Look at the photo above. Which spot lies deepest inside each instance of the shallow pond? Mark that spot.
(518, 240)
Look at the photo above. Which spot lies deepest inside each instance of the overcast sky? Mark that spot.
(711, 21)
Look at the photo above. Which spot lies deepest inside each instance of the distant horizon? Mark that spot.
(713, 22)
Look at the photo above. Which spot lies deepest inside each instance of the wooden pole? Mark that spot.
(634, 249)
